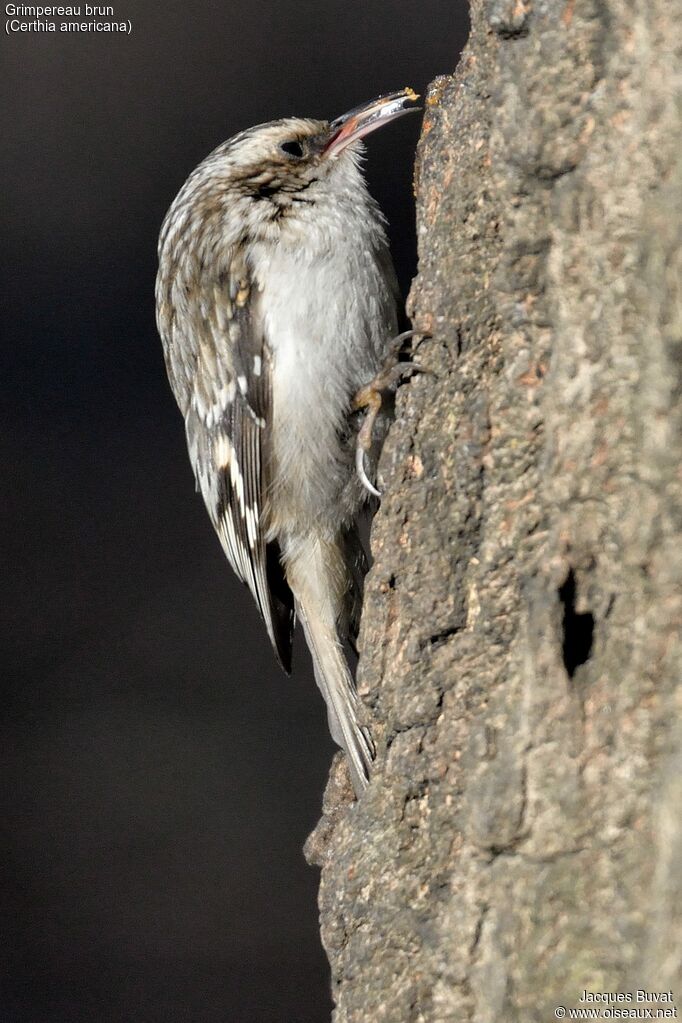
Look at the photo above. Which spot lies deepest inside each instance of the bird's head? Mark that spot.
(280, 175)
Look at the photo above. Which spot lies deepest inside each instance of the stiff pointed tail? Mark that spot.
(338, 688)
(320, 577)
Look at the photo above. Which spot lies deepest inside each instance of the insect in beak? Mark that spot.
(367, 118)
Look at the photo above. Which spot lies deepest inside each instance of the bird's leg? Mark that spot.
(370, 397)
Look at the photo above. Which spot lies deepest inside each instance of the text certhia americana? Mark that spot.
(276, 304)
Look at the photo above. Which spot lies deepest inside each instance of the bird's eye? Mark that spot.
(292, 149)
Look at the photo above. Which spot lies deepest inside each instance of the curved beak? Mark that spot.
(362, 120)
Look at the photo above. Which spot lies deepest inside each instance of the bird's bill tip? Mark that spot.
(367, 118)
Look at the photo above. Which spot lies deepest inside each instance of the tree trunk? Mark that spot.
(521, 839)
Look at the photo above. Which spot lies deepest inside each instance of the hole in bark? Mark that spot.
(439, 638)
(578, 629)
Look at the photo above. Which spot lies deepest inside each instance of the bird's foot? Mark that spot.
(370, 397)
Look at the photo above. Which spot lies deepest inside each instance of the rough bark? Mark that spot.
(520, 650)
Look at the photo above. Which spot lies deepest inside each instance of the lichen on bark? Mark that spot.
(520, 647)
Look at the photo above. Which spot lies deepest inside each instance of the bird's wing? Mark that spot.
(221, 376)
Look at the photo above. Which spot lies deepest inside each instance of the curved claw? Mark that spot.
(360, 467)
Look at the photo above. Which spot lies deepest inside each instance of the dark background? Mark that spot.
(159, 775)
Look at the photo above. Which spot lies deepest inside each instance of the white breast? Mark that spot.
(328, 314)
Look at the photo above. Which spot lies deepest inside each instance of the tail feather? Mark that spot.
(319, 574)
(338, 688)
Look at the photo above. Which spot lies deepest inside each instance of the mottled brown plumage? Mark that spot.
(276, 303)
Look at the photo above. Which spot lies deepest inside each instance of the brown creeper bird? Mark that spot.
(276, 304)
